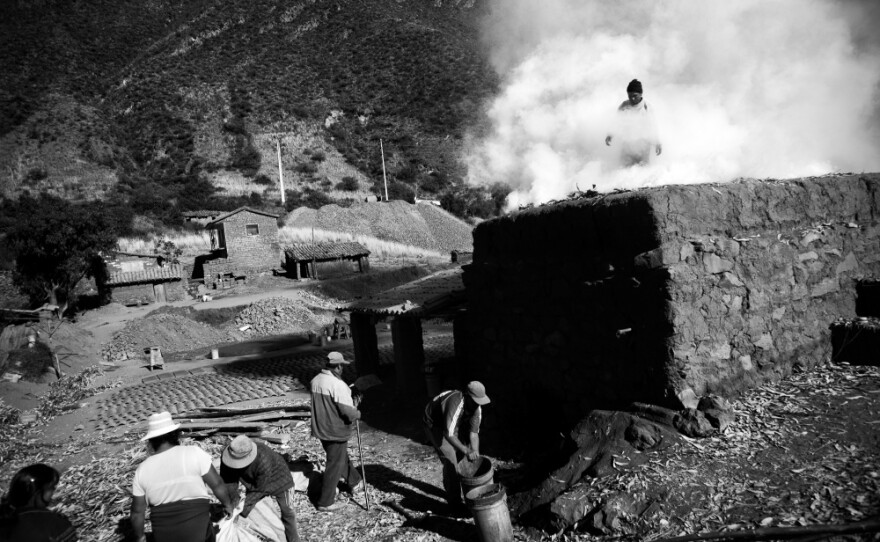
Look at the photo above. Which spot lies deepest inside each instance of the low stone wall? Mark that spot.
(640, 296)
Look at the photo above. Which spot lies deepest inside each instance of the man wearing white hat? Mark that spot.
(172, 481)
(333, 416)
(445, 416)
(264, 473)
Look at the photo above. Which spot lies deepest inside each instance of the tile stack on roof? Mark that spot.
(169, 272)
(325, 251)
(416, 297)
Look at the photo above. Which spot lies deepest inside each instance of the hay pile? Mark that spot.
(424, 226)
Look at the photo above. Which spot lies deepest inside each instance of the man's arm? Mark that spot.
(213, 480)
(251, 498)
(475, 444)
(138, 513)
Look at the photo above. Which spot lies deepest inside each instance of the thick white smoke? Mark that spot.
(745, 88)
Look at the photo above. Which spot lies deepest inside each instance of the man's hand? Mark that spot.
(245, 511)
(229, 510)
(658, 149)
(473, 455)
(608, 141)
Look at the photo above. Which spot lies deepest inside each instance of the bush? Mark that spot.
(264, 180)
(348, 183)
(306, 168)
(318, 156)
(36, 174)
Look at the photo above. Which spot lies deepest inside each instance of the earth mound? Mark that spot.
(425, 226)
(280, 315)
(170, 332)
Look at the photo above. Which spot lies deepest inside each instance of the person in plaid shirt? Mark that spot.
(264, 473)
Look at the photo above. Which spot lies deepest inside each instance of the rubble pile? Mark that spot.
(280, 315)
(170, 332)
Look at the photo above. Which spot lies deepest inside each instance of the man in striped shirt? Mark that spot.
(445, 416)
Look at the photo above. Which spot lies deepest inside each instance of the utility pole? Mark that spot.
(278, 136)
(280, 170)
(384, 178)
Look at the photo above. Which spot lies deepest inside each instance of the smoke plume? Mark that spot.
(745, 88)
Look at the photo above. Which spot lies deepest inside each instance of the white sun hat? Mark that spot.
(160, 424)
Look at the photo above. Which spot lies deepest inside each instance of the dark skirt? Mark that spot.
(182, 521)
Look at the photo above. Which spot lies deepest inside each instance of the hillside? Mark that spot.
(185, 102)
(421, 225)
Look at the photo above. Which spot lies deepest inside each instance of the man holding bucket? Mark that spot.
(445, 415)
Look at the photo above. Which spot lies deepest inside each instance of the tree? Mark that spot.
(56, 244)
(167, 251)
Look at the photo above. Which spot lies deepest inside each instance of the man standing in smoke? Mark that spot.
(636, 127)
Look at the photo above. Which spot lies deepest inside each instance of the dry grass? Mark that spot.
(378, 248)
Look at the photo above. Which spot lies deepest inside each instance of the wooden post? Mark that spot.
(280, 169)
(296, 265)
(409, 356)
(366, 343)
(384, 178)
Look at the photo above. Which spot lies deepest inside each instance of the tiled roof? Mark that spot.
(201, 214)
(240, 209)
(325, 251)
(415, 298)
(167, 273)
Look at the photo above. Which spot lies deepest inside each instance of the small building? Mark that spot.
(244, 242)
(142, 279)
(302, 259)
(200, 217)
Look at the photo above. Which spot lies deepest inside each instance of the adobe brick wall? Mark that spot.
(635, 296)
(138, 294)
(248, 253)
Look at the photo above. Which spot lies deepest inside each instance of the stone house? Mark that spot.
(244, 242)
(141, 279)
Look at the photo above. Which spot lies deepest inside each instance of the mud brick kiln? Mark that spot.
(639, 296)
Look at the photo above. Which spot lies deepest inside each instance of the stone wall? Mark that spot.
(639, 296)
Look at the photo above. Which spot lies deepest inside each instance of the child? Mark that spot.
(24, 510)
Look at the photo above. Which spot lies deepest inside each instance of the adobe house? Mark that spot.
(664, 293)
(244, 242)
(439, 295)
(302, 259)
(142, 279)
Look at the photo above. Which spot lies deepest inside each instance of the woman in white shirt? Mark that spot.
(174, 482)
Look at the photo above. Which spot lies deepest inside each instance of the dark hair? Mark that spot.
(25, 485)
(172, 438)
(634, 86)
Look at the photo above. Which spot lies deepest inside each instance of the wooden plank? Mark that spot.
(247, 426)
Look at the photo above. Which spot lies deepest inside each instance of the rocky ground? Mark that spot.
(802, 452)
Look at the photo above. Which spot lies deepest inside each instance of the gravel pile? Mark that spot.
(449, 232)
(424, 226)
(279, 315)
(170, 332)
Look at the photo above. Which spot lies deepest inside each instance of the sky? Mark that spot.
(745, 88)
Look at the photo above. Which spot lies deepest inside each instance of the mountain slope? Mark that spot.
(184, 90)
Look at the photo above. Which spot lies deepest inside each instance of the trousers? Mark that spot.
(288, 516)
(339, 466)
(449, 459)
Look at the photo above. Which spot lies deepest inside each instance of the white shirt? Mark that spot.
(173, 475)
(636, 122)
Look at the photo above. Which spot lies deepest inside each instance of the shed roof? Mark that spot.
(240, 209)
(201, 214)
(173, 271)
(418, 298)
(325, 251)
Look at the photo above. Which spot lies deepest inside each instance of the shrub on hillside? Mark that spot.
(311, 198)
(263, 180)
(306, 168)
(348, 183)
(318, 156)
